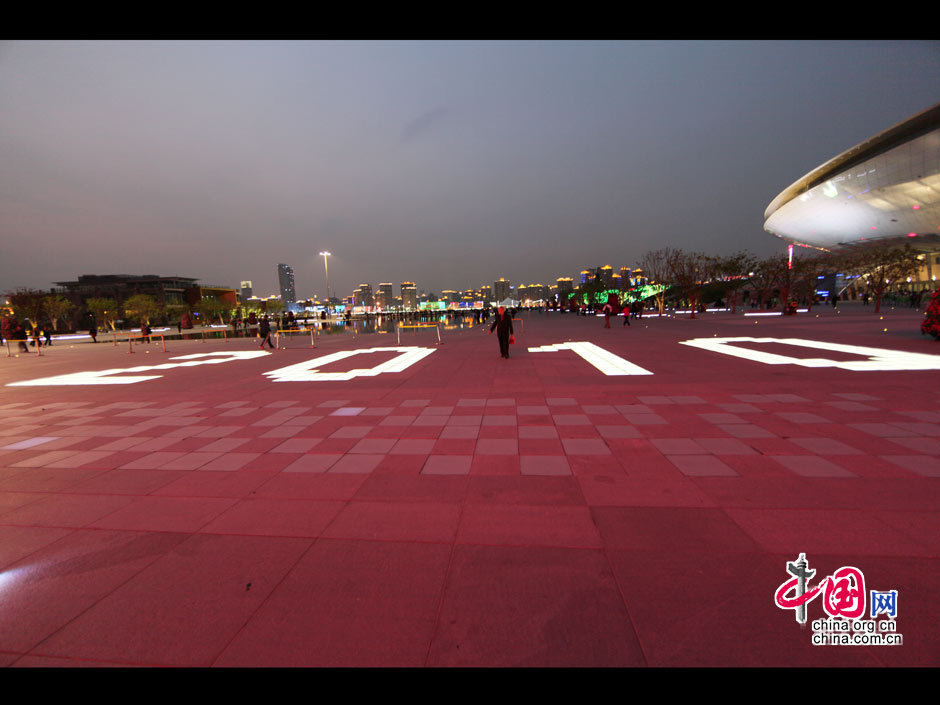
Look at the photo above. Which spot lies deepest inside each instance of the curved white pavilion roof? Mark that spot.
(886, 188)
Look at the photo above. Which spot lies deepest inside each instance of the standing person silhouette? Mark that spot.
(503, 327)
(264, 332)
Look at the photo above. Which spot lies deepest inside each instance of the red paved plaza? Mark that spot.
(469, 510)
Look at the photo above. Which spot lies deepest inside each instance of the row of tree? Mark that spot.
(691, 274)
(41, 308)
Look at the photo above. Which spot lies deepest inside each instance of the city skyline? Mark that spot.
(438, 161)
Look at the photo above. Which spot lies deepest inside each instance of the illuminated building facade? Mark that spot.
(363, 295)
(285, 277)
(385, 296)
(409, 296)
(501, 289)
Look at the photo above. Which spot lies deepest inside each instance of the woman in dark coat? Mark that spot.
(503, 327)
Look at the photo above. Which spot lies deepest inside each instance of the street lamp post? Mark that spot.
(326, 269)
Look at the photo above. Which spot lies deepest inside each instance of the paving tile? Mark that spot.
(645, 419)
(58, 582)
(465, 420)
(676, 631)
(618, 431)
(213, 484)
(464, 432)
(522, 623)
(825, 446)
(495, 465)
(745, 430)
(380, 446)
(396, 521)
(356, 464)
(725, 446)
(163, 513)
(351, 432)
(529, 490)
(928, 446)
(532, 410)
(925, 465)
(19, 542)
(497, 446)
(700, 465)
(585, 446)
(544, 465)
(65, 510)
(672, 529)
(296, 445)
(348, 603)
(229, 462)
(722, 418)
(313, 462)
(523, 525)
(275, 517)
(812, 466)
(802, 417)
(618, 490)
(676, 446)
(447, 465)
(838, 532)
(186, 607)
(222, 445)
(571, 420)
(412, 446)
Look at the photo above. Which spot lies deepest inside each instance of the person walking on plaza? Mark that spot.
(93, 332)
(264, 332)
(502, 324)
(607, 310)
(627, 312)
(19, 335)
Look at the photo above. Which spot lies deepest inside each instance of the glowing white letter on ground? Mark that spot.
(606, 362)
(309, 371)
(105, 376)
(879, 359)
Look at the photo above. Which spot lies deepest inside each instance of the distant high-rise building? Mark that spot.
(501, 289)
(625, 276)
(363, 295)
(385, 296)
(486, 293)
(409, 295)
(606, 274)
(587, 275)
(565, 285)
(246, 290)
(285, 277)
(450, 296)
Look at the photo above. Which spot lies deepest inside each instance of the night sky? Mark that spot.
(446, 163)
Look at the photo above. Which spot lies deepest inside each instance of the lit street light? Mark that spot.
(327, 270)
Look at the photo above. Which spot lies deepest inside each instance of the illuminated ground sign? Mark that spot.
(606, 362)
(878, 359)
(107, 376)
(309, 370)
